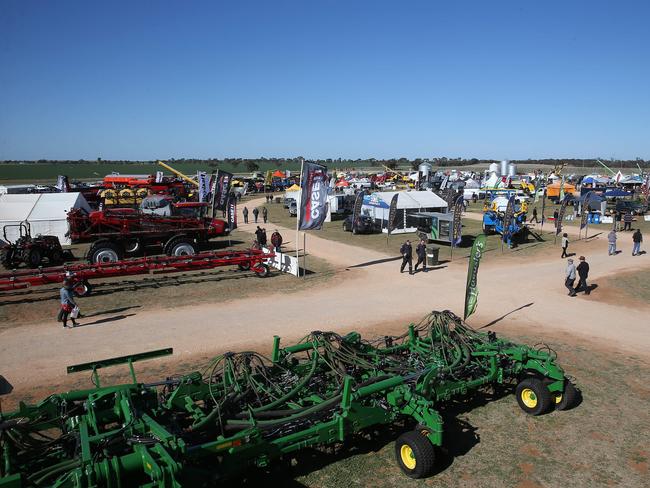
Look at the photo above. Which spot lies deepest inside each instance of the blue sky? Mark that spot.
(159, 79)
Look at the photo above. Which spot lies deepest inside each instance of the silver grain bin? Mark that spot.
(504, 168)
(512, 170)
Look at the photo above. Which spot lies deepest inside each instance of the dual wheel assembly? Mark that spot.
(416, 455)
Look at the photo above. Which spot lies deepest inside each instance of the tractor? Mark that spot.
(30, 250)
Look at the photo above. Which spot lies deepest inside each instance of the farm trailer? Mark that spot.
(244, 410)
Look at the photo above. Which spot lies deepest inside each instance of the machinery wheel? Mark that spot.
(7, 257)
(82, 288)
(34, 257)
(181, 247)
(132, 246)
(56, 258)
(105, 252)
(568, 399)
(488, 229)
(415, 454)
(244, 266)
(533, 396)
(262, 271)
(354, 230)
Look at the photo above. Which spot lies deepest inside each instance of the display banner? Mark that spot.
(232, 212)
(313, 196)
(585, 210)
(507, 219)
(471, 289)
(392, 213)
(356, 211)
(560, 217)
(457, 230)
(221, 190)
(204, 187)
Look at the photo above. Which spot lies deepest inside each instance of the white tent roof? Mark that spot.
(412, 199)
(46, 212)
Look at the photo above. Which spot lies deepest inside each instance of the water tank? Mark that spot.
(512, 170)
(425, 170)
(494, 168)
(504, 168)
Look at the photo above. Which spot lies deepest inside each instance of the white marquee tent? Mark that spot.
(45, 212)
(377, 206)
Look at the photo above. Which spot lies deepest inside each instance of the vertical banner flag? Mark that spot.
(232, 212)
(443, 185)
(356, 211)
(562, 189)
(471, 289)
(221, 190)
(543, 205)
(268, 180)
(204, 188)
(159, 176)
(458, 226)
(646, 188)
(313, 196)
(507, 219)
(392, 213)
(560, 216)
(585, 210)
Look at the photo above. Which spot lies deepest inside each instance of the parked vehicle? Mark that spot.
(30, 250)
(637, 208)
(293, 208)
(363, 225)
(116, 233)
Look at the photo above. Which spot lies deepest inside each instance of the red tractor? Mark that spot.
(30, 250)
(121, 232)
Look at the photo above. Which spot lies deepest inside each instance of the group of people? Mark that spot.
(407, 256)
(582, 270)
(637, 239)
(261, 239)
(256, 213)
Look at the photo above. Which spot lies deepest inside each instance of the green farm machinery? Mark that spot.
(245, 410)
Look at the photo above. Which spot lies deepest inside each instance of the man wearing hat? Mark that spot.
(570, 277)
(583, 273)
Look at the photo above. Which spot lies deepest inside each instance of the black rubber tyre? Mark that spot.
(82, 288)
(132, 247)
(568, 399)
(244, 266)
(262, 271)
(7, 257)
(174, 242)
(415, 454)
(56, 258)
(105, 251)
(34, 257)
(533, 397)
(181, 246)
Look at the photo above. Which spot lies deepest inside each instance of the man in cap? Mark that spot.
(407, 256)
(583, 273)
(570, 277)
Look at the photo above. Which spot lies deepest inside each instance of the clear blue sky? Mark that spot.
(159, 79)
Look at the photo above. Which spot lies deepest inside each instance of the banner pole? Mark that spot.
(298, 212)
(304, 254)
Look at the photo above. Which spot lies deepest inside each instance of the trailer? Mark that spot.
(81, 274)
(244, 410)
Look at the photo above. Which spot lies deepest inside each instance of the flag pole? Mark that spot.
(298, 212)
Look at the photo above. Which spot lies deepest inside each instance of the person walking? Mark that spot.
(534, 218)
(245, 212)
(583, 274)
(565, 245)
(276, 241)
(256, 212)
(263, 242)
(570, 277)
(407, 256)
(637, 239)
(67, 303)
(265, 214)
(611, 239)
(421, 253)
(627, 221)
(617, 220)
(556, 216)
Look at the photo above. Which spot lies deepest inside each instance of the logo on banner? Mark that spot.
(458, 226)
(392, 213)
(313, 196)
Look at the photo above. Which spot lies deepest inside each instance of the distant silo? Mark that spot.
(425, 170)
(512, 170)
(504, 168)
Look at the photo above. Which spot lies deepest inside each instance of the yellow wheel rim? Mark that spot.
(558, 398)
(406, 454)
(529, 398)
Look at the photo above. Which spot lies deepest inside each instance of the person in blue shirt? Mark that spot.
(67, 303)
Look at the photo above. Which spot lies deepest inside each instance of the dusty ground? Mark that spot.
(602, 338)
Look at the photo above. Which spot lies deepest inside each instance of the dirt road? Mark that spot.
(368, 289)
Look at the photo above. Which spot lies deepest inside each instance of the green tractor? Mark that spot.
(30, 250)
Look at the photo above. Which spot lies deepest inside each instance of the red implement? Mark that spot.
(253, 259)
